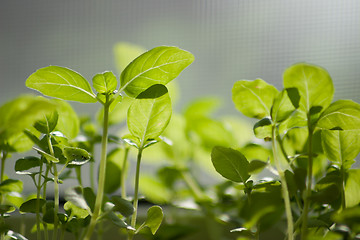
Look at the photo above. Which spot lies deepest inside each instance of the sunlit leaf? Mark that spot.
(153, 220)
(313, 83)
(11, 185)
(283, 107)
(341, 147)
(150, 113)
(48, 123)
(68, 122)
(75, 196)
(263, 128)
(254, 98)
(352, 188)
(157, 66)
(21, 113)
(105, 83)
(75, 210)
(63, 83)
(341, 115)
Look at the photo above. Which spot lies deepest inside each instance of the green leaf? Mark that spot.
(202, 107)
(63, 83)
(283, 107)
(352, 188)
(75, 196)
(341, 115)
(47, 156)
(75, 211)
(341, 147)
(48, 123)
(30, 205)
(15, 235)
(263, 128)
(126, 52)
(153, 220)
(68, 122)
(11, 185)
(254, 98)
(24, 164)
(21, 113)
(154, 190)
(313, 83)
(256, 166)
(6, 209)
(76, 156)
(123, 206)
(150, 113)
(118, 111)
(230, 163)
(105, 83)
(157, 66)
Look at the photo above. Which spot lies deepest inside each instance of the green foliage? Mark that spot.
(63, 83)
(157, 66)
(149, 114)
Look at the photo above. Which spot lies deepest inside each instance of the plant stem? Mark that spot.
(56, 190)
(136, 193)
(124, 173)
(3, 158)
(38, 194)
(309, 182)
(92, 182)
(102, 172)
(284, 188)
(193, 185)
(78, 175)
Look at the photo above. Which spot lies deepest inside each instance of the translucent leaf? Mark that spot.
(341, 115)
(254, 98)
(150, 113)
(341, 147)
(263, 128)
(68, 122)
(313, 83)
(63, 83)
(352, 188)
(48, 123)
(154, 190)
(21, 113)
(230, 163)
(283, 107)
(11, 185)
(202, 107)
(153, 220)
(125, 53)
(75, 211)
(157, 66)
(104, 83)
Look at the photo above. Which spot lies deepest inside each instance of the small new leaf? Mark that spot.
(153, 220)
(104, 83)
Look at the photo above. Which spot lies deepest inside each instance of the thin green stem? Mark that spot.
(309, 182)
(78, 175)
(343, 200)
(92, 180)
(124, 173)
(46, 233)
(284, 188)
(56, 201)
(136, 193)
(38, 194)
(192, 184)
(3, 158)
(102, 172)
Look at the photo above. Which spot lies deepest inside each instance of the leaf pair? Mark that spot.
(157, 66)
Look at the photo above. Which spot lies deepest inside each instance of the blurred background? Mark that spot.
(231, 40)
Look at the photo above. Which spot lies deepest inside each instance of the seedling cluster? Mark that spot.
(306, 142)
